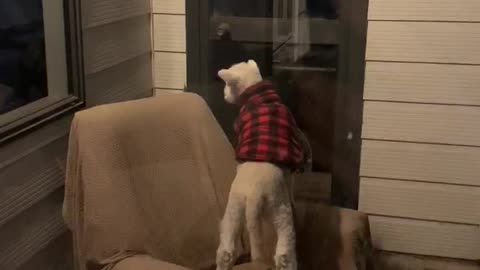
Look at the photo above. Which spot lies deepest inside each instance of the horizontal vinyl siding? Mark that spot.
(23, 188)
(421, 162)
(31, 231)
(425, 10)
(438, 202)
(31, 171)
(63, 259)
(98, 12)
(422, 123)
(426, 83)
(169, 6)
(136, 81)
(111, 44)
(426, 238)
(169, 35)
(407, 261)
(170, 70)
(437, 42)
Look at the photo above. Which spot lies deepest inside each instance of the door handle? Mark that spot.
(223, 31)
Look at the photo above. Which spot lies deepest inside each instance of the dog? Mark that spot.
(270, 149)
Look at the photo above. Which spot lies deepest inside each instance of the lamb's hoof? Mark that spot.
(285, 262)
(224, 260)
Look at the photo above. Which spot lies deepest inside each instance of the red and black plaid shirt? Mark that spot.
(266, 130)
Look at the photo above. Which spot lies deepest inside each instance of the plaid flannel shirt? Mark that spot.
(266, 130)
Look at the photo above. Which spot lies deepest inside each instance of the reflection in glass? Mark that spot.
(23, 76)
(326, 9)
(294, 42)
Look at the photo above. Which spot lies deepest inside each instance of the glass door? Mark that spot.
(300, 45)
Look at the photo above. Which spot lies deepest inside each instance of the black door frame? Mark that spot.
(352, 32)
(349, 103)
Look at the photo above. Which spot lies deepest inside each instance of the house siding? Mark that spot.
(169, 36)
(420, 144)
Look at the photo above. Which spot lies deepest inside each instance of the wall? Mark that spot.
(117, 58)
(421, 145)
(169, 45)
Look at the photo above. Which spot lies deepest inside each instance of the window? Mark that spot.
(40, 62)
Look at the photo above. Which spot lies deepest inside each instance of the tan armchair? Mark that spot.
(147, 179)
(147, 183)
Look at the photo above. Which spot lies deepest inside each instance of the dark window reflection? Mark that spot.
(23, 75)
(322, 8)
(294, 43)
(264, 8)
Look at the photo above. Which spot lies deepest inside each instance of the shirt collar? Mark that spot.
(258, 93)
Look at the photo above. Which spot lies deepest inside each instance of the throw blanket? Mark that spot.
(147, 177)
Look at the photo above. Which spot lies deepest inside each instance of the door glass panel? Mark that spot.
(295, 43)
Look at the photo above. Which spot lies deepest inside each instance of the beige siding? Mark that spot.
(42, 178)
(31, 232)
(111, 44)
(425, 10)
(420, 162)
(437, 42)
(422, 123)
(438, 202)
(95, 13)
(426, 238)
(426, 83)
(169, 35)
(419, 262)
(170, 69)
(136, 76)
(169, 6)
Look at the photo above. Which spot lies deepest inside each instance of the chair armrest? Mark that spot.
(145, 262)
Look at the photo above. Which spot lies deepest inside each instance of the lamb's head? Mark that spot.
(238, 78)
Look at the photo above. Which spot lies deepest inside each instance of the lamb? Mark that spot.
(270, 150)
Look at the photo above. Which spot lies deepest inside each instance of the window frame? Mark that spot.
(44, 112)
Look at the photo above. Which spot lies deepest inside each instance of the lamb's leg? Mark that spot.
(285, 254)
(254, 226)
(230, 230)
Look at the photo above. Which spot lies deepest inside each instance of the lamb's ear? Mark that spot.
(228, 76)
(223, 74)
(252, 63)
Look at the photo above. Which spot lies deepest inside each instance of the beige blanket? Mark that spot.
(147, 177)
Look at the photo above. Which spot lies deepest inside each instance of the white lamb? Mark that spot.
(270, 149)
